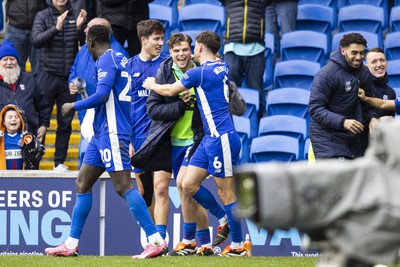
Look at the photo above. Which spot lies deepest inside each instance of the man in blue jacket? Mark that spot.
(338, 117)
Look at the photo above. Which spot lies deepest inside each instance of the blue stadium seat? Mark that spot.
(172, 4)
(251, 97)
(393, 72)
(164, 14)
(213, 2)
(242, 126)
(295, 73)
(331, 3)
(202, 17)
(288, 101)
(379, 3)
(304, 45)
(372, 39)
(362, 18)
(314, 17)
(394, 19)
(268, 76)
(274, 148)
(397, 90)
(285, 125)
(392, 45)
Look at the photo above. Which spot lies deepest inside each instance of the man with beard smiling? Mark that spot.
(20, 88)
(145, 64)
(338, 117)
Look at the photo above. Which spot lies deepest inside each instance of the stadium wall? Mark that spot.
(36, 208)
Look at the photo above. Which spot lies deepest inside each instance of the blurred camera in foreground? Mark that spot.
(349, 210)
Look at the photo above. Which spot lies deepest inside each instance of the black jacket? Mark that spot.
(21, 13)
(382, 90)
(57, 48)
(164, 112)
(29, 97)
(236, 12)
(334, 98)
(124, 13)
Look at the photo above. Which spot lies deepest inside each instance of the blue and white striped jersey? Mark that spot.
(211, 81)
(112, 100)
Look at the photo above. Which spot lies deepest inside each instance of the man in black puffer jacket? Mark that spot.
(55, 31)
(338, 117)
(19, 17)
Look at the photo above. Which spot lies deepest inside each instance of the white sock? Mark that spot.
(223, 220)
(236, 245)
(71, 243)
(156, 239)
(188, 241)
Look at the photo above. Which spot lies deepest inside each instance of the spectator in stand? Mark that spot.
(20, 148)
(19, 18)
(244, 44)
(280, 14)
(20, 88)
(84, 68)
(55, 31)
(124, 16)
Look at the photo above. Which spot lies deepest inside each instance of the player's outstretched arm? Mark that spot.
(376, 102)
(163, 89)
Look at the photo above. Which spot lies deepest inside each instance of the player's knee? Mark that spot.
(80, 186)
(161, 191)
(189, 189)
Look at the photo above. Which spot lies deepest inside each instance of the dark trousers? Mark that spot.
(131, 37)
(253, 67)
(55, 88)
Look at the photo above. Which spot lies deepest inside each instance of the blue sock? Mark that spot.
(138, 208)
(203, 236)
(83, 204)
(234, 225)
(162, 229)
(189, 230)
(207, 200)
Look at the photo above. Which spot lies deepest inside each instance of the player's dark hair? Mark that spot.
(99, 34)
(145, 28)
(353, 38)
(177, 38)
(209, 39)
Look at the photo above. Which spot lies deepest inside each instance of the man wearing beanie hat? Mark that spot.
(7, 49)
(20, 88)
(55, 31)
